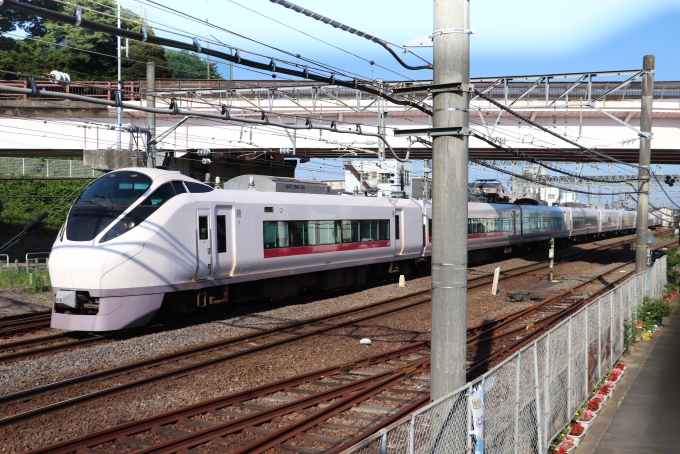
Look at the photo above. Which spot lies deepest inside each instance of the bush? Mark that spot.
(673, 261)
(651, 311)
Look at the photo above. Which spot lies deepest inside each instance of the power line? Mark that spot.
(30, 9)
(354, 31)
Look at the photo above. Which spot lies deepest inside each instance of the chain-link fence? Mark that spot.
(529, 398)
(46, 168)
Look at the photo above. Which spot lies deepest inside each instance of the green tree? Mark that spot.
(188, 65)
(82, 53)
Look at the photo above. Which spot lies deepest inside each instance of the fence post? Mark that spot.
(539, 430)
(569, 370)
(412, 434)
(611, 328)
(517, 387)
(48, 167)
(383, 442)
(70, 169)
(587, 359)
(599, 338)
(16, 263)
(23, 166)
(546, 385)
(470, 419)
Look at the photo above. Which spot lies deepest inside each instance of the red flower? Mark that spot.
(605, 389)
(576, 429)
(593, 405)
(620, 366)
(614, 374)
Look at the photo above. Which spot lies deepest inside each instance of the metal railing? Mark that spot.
(46, 168)
(6, 258)
(529, 398)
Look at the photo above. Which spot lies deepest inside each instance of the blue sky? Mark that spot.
(511, 38)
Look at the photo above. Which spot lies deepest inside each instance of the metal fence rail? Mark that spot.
(46, 168)
(529, 398)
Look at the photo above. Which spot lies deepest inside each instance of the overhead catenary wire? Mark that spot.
(354, 31)
(175, 110)
(305, 74)
(544, 129)
(371, 62)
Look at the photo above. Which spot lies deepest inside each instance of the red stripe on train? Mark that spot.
(486, 235)
(322, 248)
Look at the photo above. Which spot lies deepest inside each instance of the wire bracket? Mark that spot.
(435, 132)
(197, 44)
(79, 15)
(145, 34)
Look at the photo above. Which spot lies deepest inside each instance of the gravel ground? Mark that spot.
(14, 302)
(300, 357)
(34, 372)
(329, 349)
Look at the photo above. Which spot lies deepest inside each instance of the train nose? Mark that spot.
(83, 267)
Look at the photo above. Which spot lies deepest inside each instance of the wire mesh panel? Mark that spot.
(557, 398)
(532, 396)
(526, 431)
(593, 344)
(617, 306)
(579, 360)
(397, 439)
(500, 407)
(46, 168)
(605, 334)
(443, 428)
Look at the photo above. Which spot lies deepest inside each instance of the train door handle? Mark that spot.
(209, 251)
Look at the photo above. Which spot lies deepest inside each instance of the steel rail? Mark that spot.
(539, 326)
(132, 427)
(23, 396)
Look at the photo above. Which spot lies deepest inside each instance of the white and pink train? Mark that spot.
(143, 242)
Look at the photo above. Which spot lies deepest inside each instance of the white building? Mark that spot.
(382, 179)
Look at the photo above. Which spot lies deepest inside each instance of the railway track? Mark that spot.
(297, 414)
(262, 432)
(63, 342)
(35, 402)
(15, 324)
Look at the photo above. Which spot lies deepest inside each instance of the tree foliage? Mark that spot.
(82, 53)
(188, 65)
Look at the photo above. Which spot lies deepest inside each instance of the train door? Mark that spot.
(224, 244)
(203, 245)
(399, 233)
(513, 231)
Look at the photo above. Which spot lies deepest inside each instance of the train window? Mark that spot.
(197, 188)
(161, 195)
(356, 231)
(202, 227)
(345, 231)
(276, 234)
(384, 229)
(397, 227)
(221, 233)
(179, 187)
(268, 209)
(327, 233)
(102, 202)
(303, 233)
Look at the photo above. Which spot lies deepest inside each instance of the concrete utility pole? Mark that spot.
(150, 116)
(450, 188)
(120, 87)
(645, 158)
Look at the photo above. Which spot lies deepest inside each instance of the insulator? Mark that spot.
(205, 161)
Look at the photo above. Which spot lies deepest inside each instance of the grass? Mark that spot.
(20, 279)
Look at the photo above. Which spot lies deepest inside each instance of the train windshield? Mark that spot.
(102, 202)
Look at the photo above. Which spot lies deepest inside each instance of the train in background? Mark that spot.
(147, 242)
